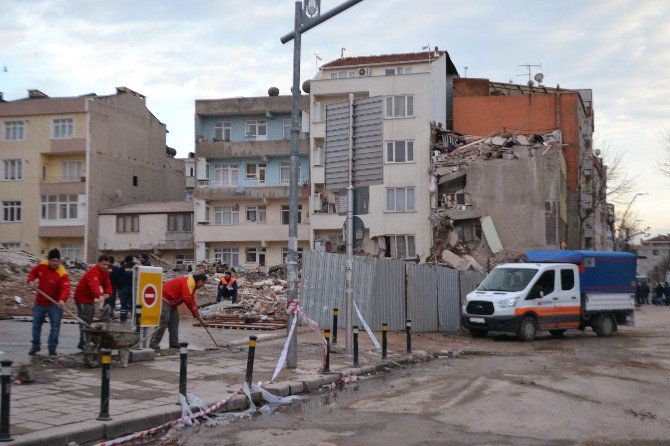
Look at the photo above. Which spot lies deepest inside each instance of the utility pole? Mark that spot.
(349, 271)
(305, 19)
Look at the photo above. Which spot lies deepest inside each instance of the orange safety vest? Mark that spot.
(226, 283)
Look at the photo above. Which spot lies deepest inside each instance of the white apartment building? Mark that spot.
(417, 89)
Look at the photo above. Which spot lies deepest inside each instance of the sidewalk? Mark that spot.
(61, 406)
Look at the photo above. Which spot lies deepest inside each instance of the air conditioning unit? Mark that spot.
(364, 71)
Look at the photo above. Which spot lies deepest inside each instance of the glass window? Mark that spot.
(13, 169)
(255, 128)
(127, 223)
(11, 211)
(400, 199)
(507, 279)
(71, 251)
(545, 284)
(256, 214)
(14, 130)
(59, 207)
(285, 214)
(287, 129)
(400, 151)
(229, 256)
(63, 128)
(71, 171)
(221, 131)
(11, 245)
(567, 279)
(180, 222)
(255, 255)
(400, 246)
(227, 215)
(285, 173)
(226, 175)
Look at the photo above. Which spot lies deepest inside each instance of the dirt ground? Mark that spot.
(579, 390)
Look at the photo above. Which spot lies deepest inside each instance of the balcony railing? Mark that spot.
(251, 148)
(211, 190)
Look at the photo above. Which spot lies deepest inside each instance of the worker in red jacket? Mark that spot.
(54, 281)
(93, 288)
(175, 292)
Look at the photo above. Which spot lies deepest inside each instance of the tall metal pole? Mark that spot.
(292, 261)
(349, 286)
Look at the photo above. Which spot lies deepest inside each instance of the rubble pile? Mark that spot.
(16, 297)
(263, 300)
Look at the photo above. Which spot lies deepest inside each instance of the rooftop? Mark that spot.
(384, 59)
(658, 238)
(159, 207)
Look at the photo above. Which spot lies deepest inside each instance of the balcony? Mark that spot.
(66, 146)
(49, 228)
(58, 186)
(249, 232)
(209, 190)
(177, 240)
(245, 149)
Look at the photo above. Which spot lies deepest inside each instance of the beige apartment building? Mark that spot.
(66, 158)
(417, 90)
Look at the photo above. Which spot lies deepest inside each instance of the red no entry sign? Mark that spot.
(149, 295)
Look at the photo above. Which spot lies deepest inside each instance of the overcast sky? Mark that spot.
(176, 51)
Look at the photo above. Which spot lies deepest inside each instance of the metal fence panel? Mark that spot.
(388, 295)
(469, 280)
(322, 285)
(364, 275)
(448, 299)
(422, 297)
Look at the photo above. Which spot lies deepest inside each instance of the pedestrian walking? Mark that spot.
(53, 280)
(227, 288)
(666, 293)
(658, 294)
(645, 292)
(175, 292)
(124, 283)
(639, 298)
(94, 287)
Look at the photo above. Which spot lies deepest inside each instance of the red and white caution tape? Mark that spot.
(284, 352)
(365, 325)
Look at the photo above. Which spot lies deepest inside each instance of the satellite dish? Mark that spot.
(538, 77)
(531, 83)
(597, 152)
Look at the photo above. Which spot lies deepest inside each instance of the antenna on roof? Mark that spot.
(342, 52)
(316, 61)
(529, 74)
(465, 71)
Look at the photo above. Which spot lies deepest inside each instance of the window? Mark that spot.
(226, 174)
(400, 246)
(189, 196)
(399, 106)
(221, 131)
(342, 74)
(13, 169)
(71, 171)
(256, 172)
(11, 211)
(284, 254)
(229, 256)
(255, 128)
(287, 129)
(14, 130)
(256, 213)
(135, 180)
(71, 251)
(11, 245)
(398, 70)
(400, 151)
(544, 284)
(285, 173)
(255, 255)
(63, 128)
(181, 259)
(567, 279)
(400, 199)
(127, 223)
(180, 222)
(469, 230)
(59, 207)
(227, 215)
(285, 214)
(191, 171)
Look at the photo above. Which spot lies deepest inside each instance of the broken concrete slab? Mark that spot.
(142, 354)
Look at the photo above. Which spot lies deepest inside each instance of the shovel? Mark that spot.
(46, 296)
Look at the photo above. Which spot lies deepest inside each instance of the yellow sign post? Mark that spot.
(148, 292)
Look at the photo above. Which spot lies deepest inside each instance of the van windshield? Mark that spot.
(507, 279)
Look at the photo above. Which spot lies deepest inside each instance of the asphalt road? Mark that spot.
(578, 390)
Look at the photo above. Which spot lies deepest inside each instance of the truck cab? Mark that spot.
(556, 292)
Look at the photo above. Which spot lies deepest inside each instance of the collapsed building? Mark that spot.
(495, 196)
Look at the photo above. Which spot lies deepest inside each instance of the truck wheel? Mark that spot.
(478, 332)
(604, 325)
(556, 333)
(527, 329)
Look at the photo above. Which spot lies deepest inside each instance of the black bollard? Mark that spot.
(183, 355)
(326, 366)
(138, 317)
(408, 329)
(104, 390)
(6, 372)
(385, 329)
(250, 358)
(336, 313)
(355, 334)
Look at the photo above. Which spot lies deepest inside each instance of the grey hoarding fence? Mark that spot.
(386, 290)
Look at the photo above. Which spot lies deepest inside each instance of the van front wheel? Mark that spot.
(527, 329)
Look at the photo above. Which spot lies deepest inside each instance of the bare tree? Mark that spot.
(664, 165)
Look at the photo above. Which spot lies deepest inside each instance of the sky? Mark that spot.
(176, 51)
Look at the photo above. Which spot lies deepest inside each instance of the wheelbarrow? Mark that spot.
(113, 336)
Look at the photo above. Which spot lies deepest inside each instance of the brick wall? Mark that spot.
(467, 87)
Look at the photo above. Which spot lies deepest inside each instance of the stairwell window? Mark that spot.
(62, 128)
(13, 170)
(400, 151)
(400, 199)
(399, 106)
(11, 211)
(14, 130)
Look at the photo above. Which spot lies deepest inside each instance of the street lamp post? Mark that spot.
(306, 18)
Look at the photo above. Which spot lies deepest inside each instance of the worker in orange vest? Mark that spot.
(227, 288)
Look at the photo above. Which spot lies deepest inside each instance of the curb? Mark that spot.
(88, 432)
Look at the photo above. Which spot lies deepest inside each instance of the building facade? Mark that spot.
(416, 90)
(64, 159)
(242, 172)
(164, 229)
(653, 256)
